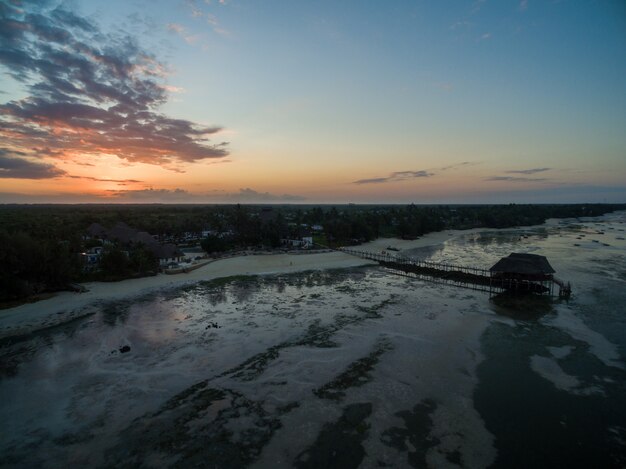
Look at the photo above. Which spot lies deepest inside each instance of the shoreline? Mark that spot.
(67, 306)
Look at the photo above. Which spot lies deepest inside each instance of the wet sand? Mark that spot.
(67, 306)
(265, 371)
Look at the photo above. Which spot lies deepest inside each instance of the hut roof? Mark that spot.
(530, 264)
(166, 251)
(122, 232)
(96, 229)
(145, 238)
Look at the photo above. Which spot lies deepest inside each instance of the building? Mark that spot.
(92, 256)
(168, 254)
(96, 231)
(125, 235)
(523, 272)
(304, 240)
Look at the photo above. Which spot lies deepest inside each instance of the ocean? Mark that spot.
(342, 368)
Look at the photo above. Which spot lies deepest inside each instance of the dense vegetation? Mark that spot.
(40, 244)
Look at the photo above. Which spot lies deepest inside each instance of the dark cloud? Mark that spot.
(120, 181)
(246, 195)
(250, 195)
(89, 91)
(396, 176)
(371, 181)
(410, 174)
(515, 179)
(528, 171)
(154, 195)
(13, 165)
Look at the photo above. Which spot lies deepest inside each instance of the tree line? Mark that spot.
(40, 245)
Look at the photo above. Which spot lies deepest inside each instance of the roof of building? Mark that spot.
(145, 238)
(122, 232)
(96, 229)
(127, 235)
(166, 251)
(530, 264)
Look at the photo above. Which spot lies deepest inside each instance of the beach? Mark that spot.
(67, 306)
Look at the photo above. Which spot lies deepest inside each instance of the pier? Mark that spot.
(515, 276)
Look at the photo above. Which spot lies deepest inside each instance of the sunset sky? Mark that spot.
(477, 101)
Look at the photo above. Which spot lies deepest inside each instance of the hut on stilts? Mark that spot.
(526, 273)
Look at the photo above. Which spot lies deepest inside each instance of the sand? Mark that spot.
(66, 306)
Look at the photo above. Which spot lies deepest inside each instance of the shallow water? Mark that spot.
(345, 368)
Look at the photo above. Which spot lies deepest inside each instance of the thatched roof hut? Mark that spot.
(528, 266)
(96, 230)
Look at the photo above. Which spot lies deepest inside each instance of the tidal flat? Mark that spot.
(341, 368)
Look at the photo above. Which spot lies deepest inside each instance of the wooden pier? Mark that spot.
(473, 278)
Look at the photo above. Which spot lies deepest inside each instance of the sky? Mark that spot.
(242, 101)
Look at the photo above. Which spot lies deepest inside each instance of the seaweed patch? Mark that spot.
(339, 444)
(414, 437)
(198, 425)
(357, 374)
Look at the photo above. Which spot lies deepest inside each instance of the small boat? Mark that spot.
(391, 248)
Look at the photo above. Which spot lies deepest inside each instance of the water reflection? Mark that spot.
(522, 306)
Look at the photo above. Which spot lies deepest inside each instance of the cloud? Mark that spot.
(246, 195)
(458, 165)
(153, 195)
(515, 179)
(477, 5)
(410, 174)
(523, 5)
(173, 89)
(119, 181)
(91, 91)
(371, 180)
(528, 171)
(175, 28)
(13, 165)
(485, 37)
(215, 25)
(250, 195)
(397, 176)
(525, 172)
(197, 12)
(180, 30)
(460, 24)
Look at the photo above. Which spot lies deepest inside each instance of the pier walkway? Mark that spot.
(474, 278)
